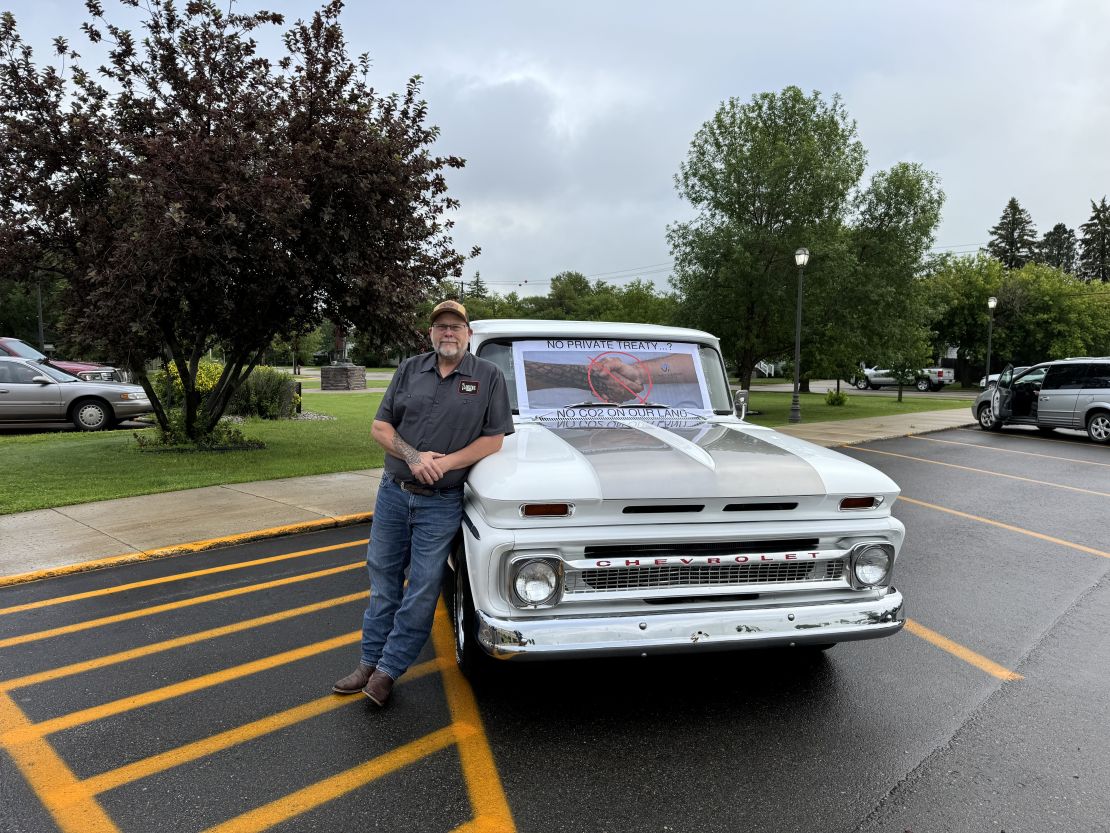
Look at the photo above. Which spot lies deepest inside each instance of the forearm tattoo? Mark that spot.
(405, 451)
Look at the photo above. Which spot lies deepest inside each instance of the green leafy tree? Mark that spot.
(1058, 249)
(1042, 313)
(203, 196)
(872, 301)
(1014, 239)
(1094, 262)
(766, 177)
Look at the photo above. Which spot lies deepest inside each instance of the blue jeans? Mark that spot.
(412, 532)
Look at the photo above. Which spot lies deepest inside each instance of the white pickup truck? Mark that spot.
(926, 379)
(635, 512)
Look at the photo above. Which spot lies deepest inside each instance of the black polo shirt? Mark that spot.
(434, 414)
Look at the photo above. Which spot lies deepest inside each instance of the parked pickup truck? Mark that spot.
(929, 378)
(635, 512)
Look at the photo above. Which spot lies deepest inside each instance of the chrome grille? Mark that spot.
(652, 578)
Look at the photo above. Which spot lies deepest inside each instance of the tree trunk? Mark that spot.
(899, 391)
(803, 386)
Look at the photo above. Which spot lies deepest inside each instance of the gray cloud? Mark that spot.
(575, 116)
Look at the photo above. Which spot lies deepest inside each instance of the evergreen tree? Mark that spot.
(1058, 248)
(477, 288)
(1094, 262)
(1014, 240)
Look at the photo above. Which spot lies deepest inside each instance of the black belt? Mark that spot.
(417, 489)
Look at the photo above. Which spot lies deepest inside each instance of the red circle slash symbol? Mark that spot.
(605, 364)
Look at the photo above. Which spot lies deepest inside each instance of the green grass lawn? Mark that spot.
(775, 407)
(58, 469)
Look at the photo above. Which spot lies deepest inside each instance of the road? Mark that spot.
(192, 693)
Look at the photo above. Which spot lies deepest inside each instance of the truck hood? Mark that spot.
(637, 461)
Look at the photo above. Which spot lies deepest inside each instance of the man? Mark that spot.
(442, 413)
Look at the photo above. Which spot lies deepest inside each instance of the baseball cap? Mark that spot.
(450, 306)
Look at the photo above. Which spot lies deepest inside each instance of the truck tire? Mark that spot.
(923, 385)
(862, 383)
(471, 659)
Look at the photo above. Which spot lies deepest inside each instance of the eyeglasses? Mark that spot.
(449, 328)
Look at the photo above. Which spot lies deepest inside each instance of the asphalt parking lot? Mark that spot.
(192, 694)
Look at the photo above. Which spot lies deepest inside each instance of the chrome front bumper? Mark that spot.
(658, 633)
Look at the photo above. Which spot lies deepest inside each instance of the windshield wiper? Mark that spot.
(586, 404)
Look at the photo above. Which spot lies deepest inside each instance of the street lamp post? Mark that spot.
(992, 302)
(801, 258)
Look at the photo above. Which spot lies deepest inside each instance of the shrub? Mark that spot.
(167, 384)
(224, 437)
(267, 393)
(833, 397)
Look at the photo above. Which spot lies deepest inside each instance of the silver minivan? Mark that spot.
(1070, 393)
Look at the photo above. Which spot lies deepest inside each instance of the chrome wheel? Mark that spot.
(923, 385)
(1098, 428)
(862, 383)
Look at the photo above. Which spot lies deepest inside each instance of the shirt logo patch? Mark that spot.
(468, 386)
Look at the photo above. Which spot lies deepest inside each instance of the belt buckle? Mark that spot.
(413, 489)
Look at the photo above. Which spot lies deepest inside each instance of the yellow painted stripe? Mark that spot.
(159, 695)
(190, 547)
(966, 654)
(329, 789)
(487, 796)
(1060, 541)
(981, 471)
(135, 585)
(150, 611)
(1011, 451)
(70, 804)
(170, 644)
(232, 737)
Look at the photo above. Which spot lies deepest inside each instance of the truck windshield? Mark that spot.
(546, 375)
(23, 350)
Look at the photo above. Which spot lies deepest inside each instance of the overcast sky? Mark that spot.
(574, 116)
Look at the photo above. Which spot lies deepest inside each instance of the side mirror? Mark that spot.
(741, 402)
(42, 380)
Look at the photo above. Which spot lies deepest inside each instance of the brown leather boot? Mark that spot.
(378, 687)
(353, 682)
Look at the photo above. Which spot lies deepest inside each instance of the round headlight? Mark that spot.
(872, 565)
(536, 582)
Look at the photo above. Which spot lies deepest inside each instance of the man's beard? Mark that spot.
(448, 350)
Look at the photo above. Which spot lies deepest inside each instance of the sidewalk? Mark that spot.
(71, 538)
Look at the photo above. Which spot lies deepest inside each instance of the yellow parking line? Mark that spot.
(232, 737)
(122, 588)
(170, 644)
(1060, 541)
(187, 548)
(1006, 450)
(982, 471)
(487, 796)
(966, 654)
(73, 809)
(150, 611)
(315, 795)
(158, 695)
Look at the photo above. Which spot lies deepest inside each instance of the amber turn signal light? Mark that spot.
(860, 502)
(545, 510)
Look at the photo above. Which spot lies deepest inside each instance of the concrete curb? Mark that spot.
(186, 548)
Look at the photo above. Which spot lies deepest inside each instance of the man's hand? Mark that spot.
(426, 467)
